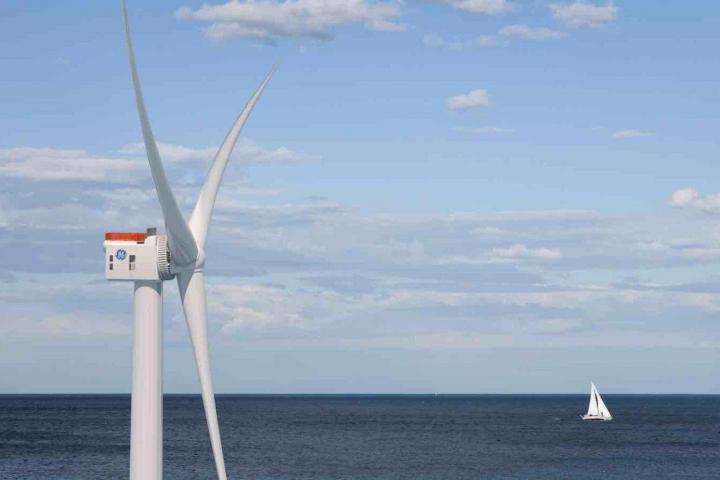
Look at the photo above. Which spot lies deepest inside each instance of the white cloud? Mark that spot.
(62, 217)
(473, 99)
(582, 14)
(51, 164)
(691, 198)
(523, 252)
(245, 151)
(170, 152)
(249, 151)
(59, 164)
(490, 7)
(524, 32)
(255, 308)
(621, 134)
(270, 19)
(682, 248)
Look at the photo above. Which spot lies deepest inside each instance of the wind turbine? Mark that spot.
(148, 259)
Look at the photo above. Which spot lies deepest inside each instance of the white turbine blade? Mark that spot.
(200, 218)
(181, 242)
(192, 292)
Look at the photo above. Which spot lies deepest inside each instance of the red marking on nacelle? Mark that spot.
(125, 236)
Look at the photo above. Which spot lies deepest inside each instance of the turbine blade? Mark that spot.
(180, 240)
(192, 293)
(200, 218)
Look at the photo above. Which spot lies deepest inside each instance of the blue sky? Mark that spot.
(451, 195)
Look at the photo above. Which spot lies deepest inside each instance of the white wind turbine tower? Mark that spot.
(148, 259)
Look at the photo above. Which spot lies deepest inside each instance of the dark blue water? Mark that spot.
(372, 437)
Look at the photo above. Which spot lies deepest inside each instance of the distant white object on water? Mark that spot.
(597, 409)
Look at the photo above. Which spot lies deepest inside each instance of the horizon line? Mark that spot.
(359, 394)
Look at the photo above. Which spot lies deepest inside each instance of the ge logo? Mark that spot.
(120, 254)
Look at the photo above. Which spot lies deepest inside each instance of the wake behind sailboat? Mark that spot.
(597, 409)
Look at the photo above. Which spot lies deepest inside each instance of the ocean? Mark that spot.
(367, 437)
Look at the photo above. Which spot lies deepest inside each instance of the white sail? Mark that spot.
(597, 410)
(593, 406)
(602, 409)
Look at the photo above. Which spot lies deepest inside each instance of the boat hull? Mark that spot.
(596, 418)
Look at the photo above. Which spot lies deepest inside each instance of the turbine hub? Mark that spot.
(163, 258)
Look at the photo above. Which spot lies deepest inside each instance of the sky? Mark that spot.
(453, 196)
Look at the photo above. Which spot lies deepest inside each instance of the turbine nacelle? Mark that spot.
(137, 256)
(143, 256)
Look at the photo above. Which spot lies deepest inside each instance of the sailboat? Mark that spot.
(597, 409)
